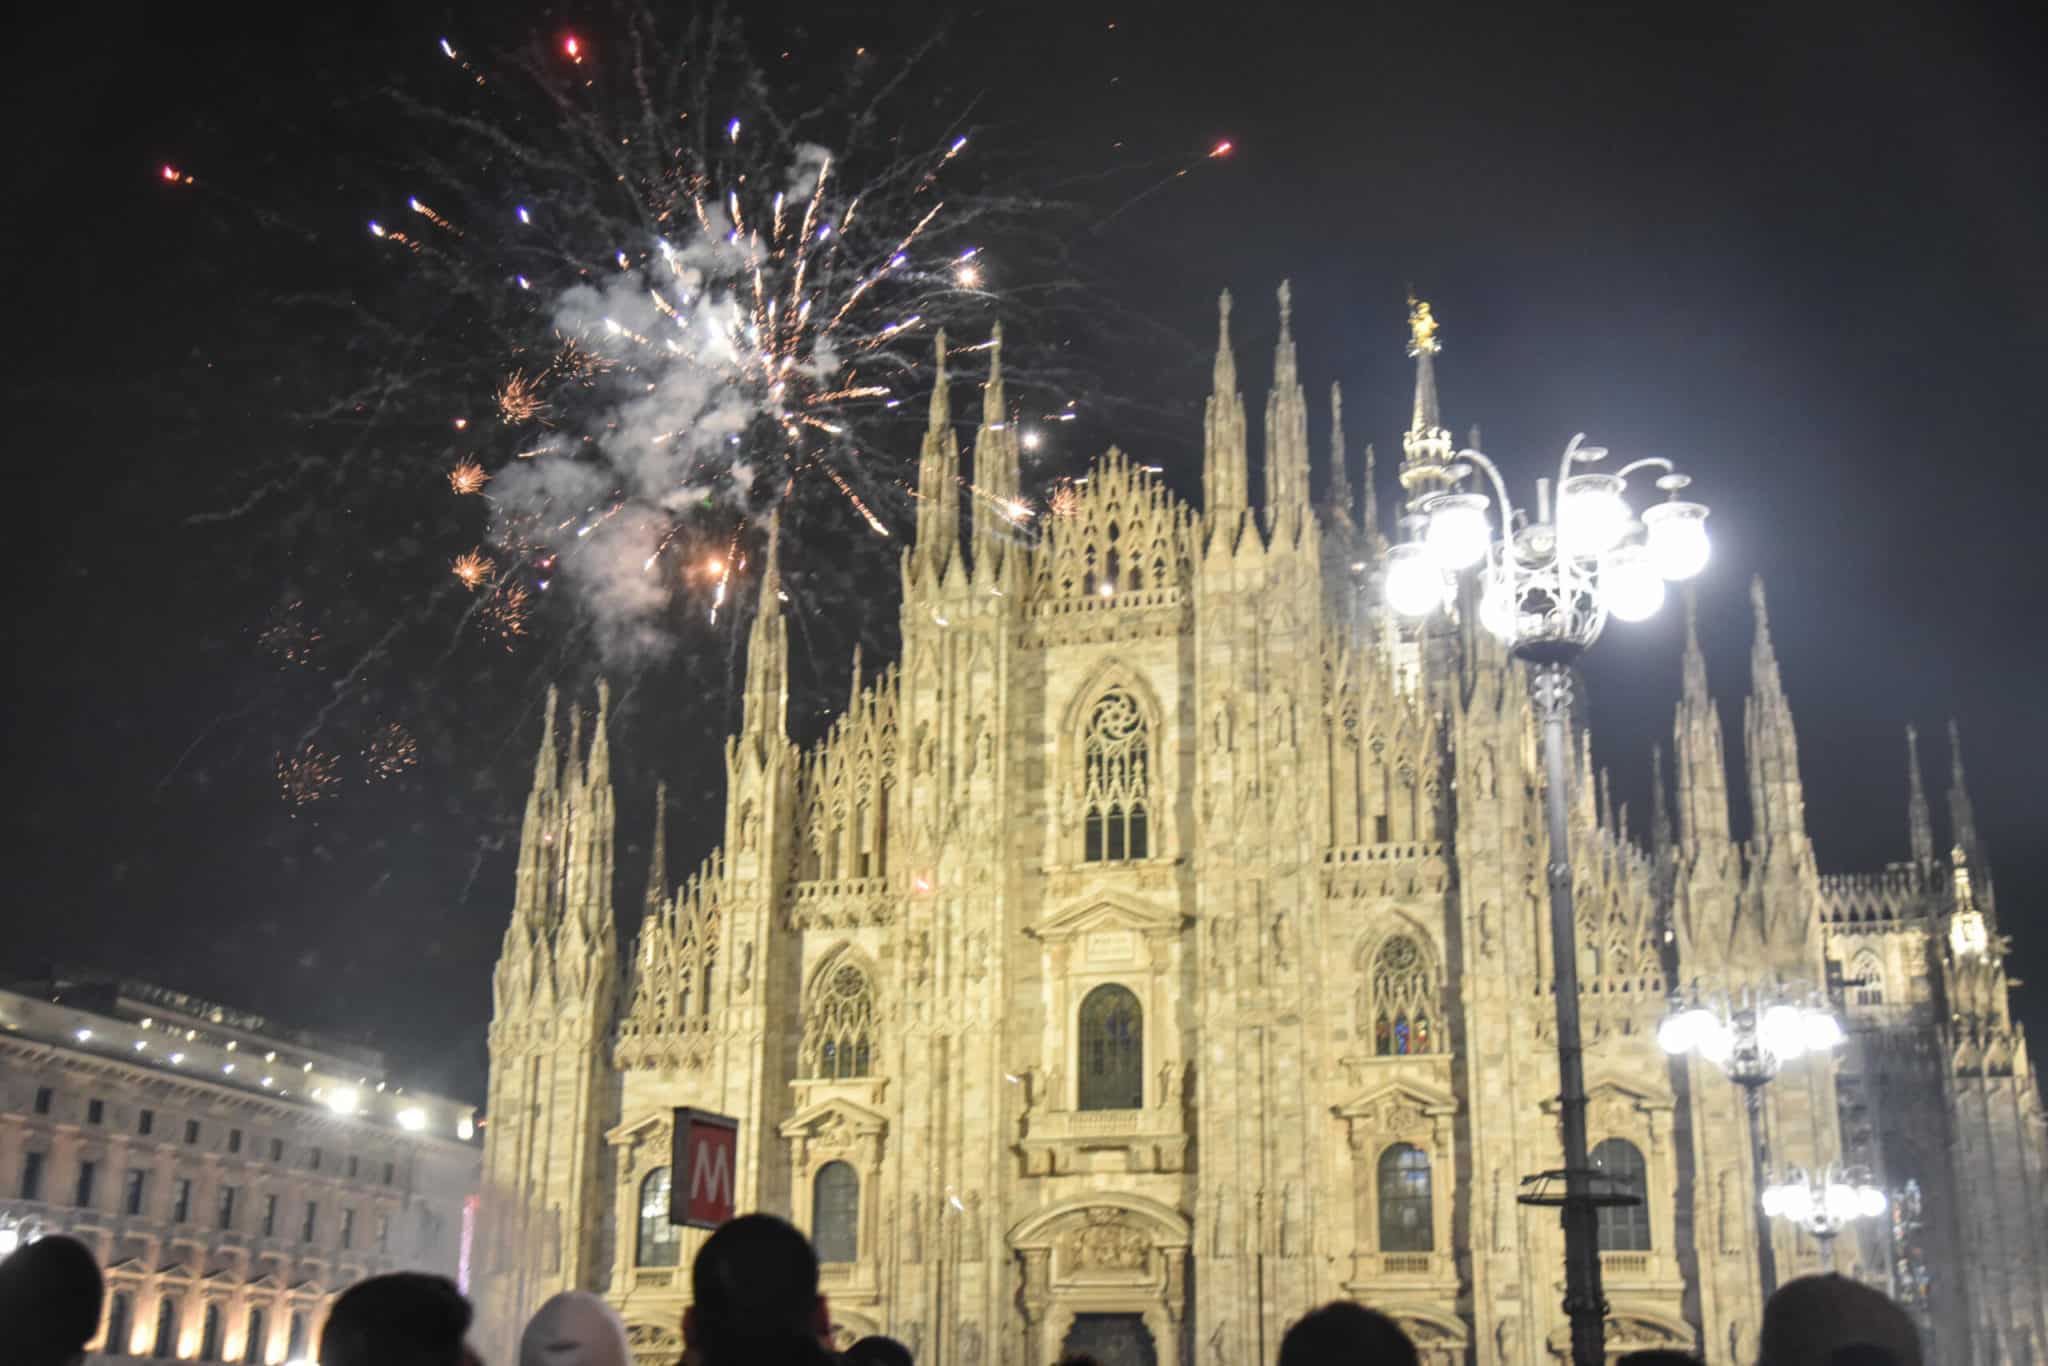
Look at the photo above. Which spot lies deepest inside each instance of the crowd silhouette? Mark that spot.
(755, 1301)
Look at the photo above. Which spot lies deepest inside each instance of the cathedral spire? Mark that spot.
(1696, 747)
(1771, 747)
(938, 477)
(1375, 540)
(1224, 492)
(853, 692)
(1660, 804)
(995, 464)
(765, 712)
(1286, 432)
(547, 762)
(1340, 497)
(657, 854)
(1961, 815)
(1426, 448)
(1918, 822)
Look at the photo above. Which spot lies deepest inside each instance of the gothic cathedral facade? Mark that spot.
(1159, 949)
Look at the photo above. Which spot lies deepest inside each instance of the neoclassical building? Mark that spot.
(1158, 949)
(232, 1176)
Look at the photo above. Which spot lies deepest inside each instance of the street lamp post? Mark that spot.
(1547, 587)
(1751, 1040)
(1824, 1203)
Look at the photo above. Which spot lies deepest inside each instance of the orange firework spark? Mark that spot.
(503, 614)
(289, 635)
(1064, 500)
(391, 751)
(473, 568)
(307, 776)
(519, 399)
(468, 477)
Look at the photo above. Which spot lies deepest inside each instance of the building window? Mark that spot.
(181, 1207)
(1116, 795)
(1401, 990)
(835, 1213)
(1407, 1223)
(32, 1176)
(234, 1140)
(306, 1229)
(95, 1111)
(227, 1205)
(1868, 980)
(661, 1243)
(166, 1326)
(839, 1024)
(295, 1337)
(1623, 1228)
(135, 1191)
(45, 1097)
(313, 1160)
(252, 1341)
(390, 1170)
(351, 1168)
(145, 1122)
(191, 1131)
(82, 1196)
(277, 1150)
(209, 1334)
(348, 1229)
(270, 1216)
(383, 1233)
(119, 1307)
(1112, 1056)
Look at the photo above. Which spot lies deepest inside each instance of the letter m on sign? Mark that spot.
(700, 1193)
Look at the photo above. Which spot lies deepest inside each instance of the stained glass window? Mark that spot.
(835, 1213)
(1117, 784)
(1407, 1222)
(1112, 1061)
(839, 1024)
(1623, 1228)
(660, 1242)
(1400, 989)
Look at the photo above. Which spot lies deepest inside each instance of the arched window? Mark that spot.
(118, 1309)
(252, 1341)
(839, 1024)
(1868, 980)
(1623, 1228)
(1407, 1219)
(1400, 1000)
(295, 1338)
(1116, 795)
(209, 1334)
(660, 1243)
(1112, 1061)
(166, 1327)
(835, 1213)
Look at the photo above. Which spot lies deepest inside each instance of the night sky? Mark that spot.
(1796, 248)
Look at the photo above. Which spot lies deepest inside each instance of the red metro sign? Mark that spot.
(702, 1159)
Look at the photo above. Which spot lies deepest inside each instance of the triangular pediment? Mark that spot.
(1109, 913)
(1613, 1089)
(646, 1126)
(267, 1281)
(836, 1112)
(222, 1275)
(1430, 1100)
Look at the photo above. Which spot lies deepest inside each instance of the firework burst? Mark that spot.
(473, 568)
(391, 751)
(306, 775)
(468, 477)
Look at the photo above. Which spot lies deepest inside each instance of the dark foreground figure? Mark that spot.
(49, 1302)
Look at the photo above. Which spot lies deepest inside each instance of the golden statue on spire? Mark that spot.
(1421, 328)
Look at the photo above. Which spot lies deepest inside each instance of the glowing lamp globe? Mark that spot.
(1415, 586)
(1592, 516)
(1458, 535)
(1630, 584)
(1870, 1202)
(1782, 1031)
(1677, 539)
(1676, 1034)
(1821, 1032)
(1497, 608)
(1714, 1041)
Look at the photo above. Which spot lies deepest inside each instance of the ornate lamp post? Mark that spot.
(1751, 1040)
(1547, 585)
(1824, 1203)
